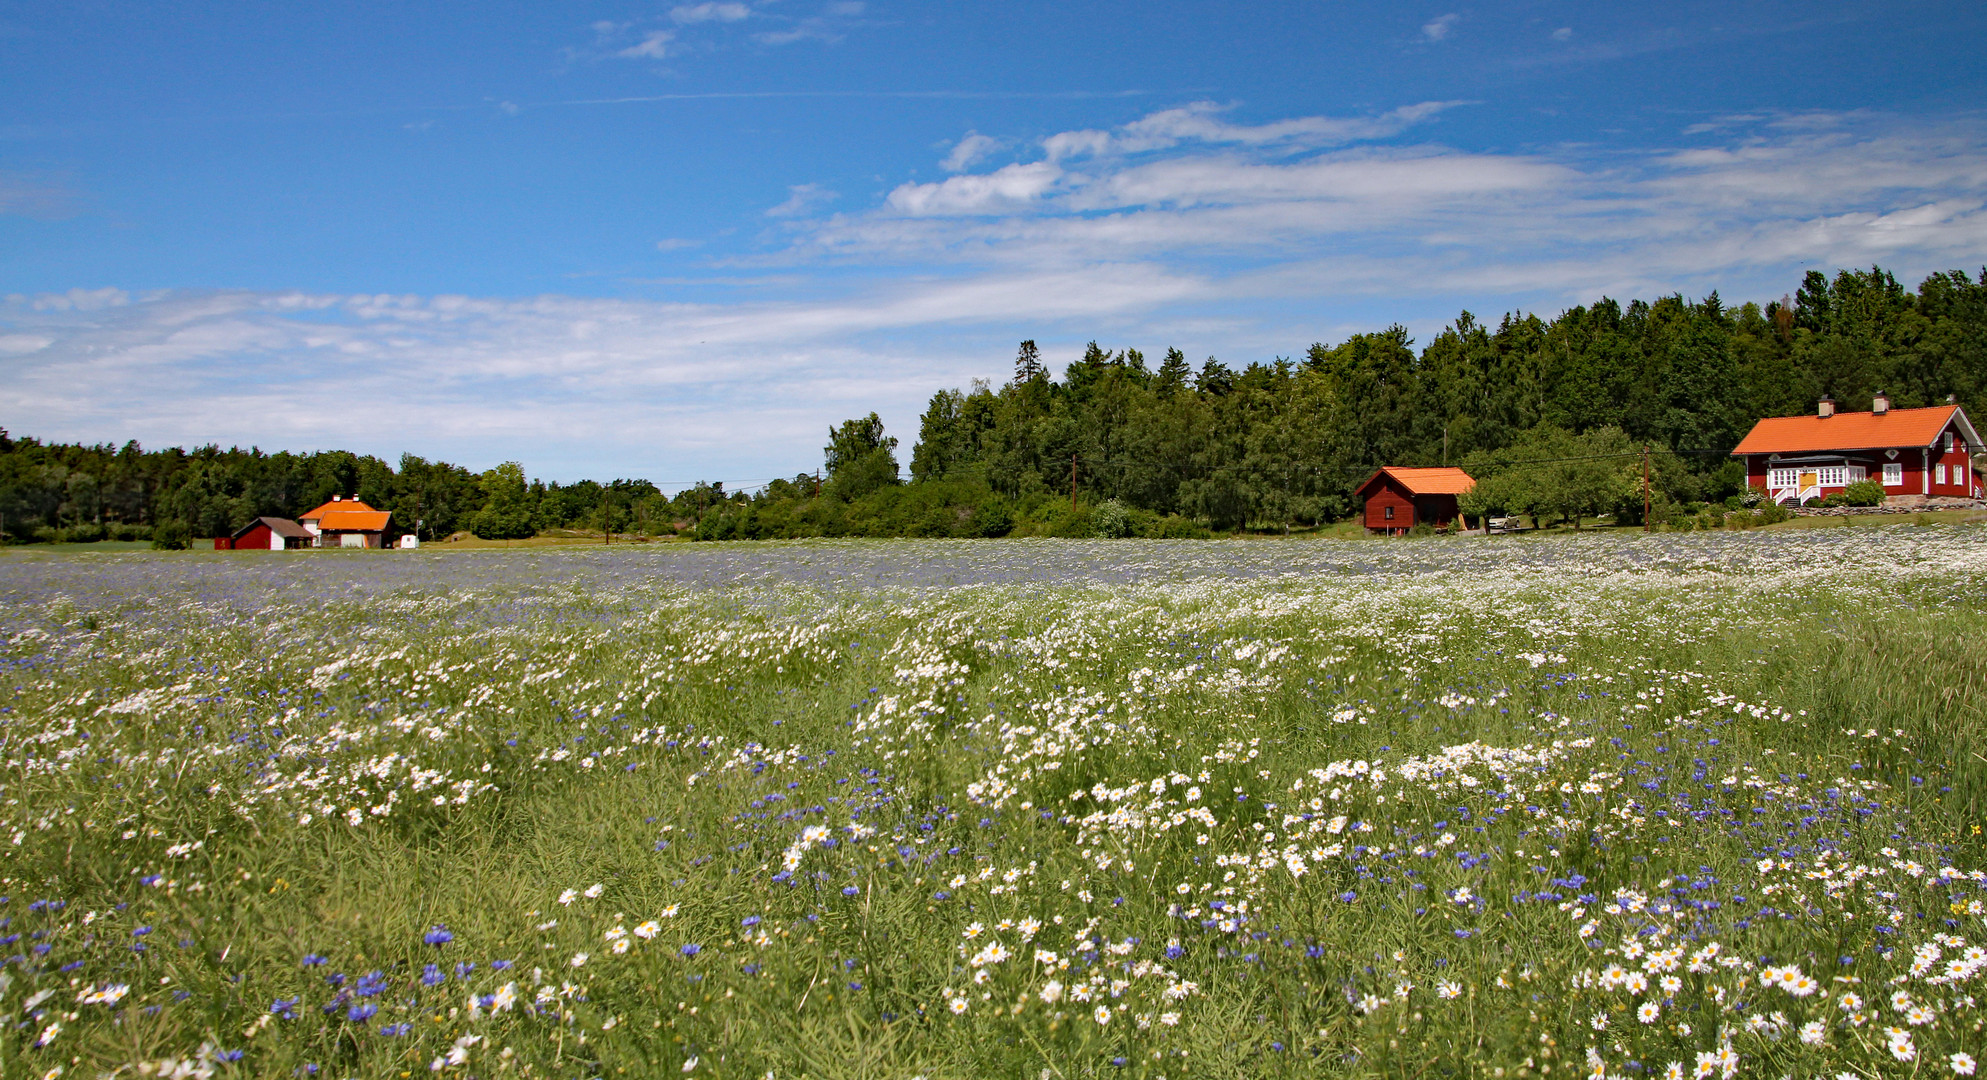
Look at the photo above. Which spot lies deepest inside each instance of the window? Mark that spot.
(1893, 475)
(1949, 442)
(1939, 475)
(1781, 478)
(1858, 474)
(1833, 475)
(1387, 512)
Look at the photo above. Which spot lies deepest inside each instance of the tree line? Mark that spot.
(1121, 444)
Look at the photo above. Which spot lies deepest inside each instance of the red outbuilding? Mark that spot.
(1916, 454)
(1397, 498)
(266, 534)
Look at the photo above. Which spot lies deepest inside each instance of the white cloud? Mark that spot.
(1564, 33)
(710, 12)
(654, 45)
(35, 196)
(802, 198)
(1200, 122)
(1438, 28)
(1009, 188)
(1240, 240)
(675, 243)
(968, 151)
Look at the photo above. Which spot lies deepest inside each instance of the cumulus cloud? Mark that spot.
(1438, 28)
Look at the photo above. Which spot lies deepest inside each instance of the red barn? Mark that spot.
(1397, 499)
(265, 534)
(1916, 454)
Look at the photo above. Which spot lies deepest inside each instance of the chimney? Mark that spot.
(1827, 407)
(338, 498)
(1881, 405)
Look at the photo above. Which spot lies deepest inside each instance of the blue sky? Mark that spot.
(679, 240)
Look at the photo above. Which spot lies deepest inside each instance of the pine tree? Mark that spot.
(1028, 364)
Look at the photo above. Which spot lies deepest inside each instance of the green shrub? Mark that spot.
(1863, 493)
(1111, 520)
(171, 536)
(990, 519)
(1175, 527)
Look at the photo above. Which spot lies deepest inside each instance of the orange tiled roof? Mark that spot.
(343, 520)
(331, 507)
(1427, 481)
(1847, 431)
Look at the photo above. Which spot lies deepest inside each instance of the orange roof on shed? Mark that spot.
(1847, 431)
(335, 506)
(342, 520)
(1425, 481)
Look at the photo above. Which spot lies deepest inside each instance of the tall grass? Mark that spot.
(1450, 809)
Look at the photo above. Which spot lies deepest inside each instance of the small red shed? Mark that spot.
(265, 534)
(1399, 498)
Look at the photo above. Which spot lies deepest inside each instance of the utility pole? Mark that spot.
(1072, 483)
(1645, 487)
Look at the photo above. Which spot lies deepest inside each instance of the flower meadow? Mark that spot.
(1675, 806)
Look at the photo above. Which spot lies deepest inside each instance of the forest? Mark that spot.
(1126, 444)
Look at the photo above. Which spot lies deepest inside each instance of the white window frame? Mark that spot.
(1939, 473)
(1832, 476)
(1858, 474)
(1782, 478)
(1894, 474)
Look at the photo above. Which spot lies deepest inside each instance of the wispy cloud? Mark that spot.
(802, 199)
(968, 152)
(36, 195)
(710, 12)
(1438, 28)
(654, 45)
(1182, 227)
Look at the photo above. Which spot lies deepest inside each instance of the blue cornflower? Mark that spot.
(749, 920)
(361, 1012)
(285, 1007)
(500, 965)
(395, 1029)
(1348, 896)
(692, 950)
(141, 931)
(850, 890)
(463, 968)
(313, 960)
(438, 935)
(371, 984)
(431, 975)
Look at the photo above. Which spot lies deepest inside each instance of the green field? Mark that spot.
(1613, 805)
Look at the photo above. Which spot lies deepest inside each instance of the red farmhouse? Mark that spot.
(265, 534)
(1397, 499)
(346, 522)
(1916, 454)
